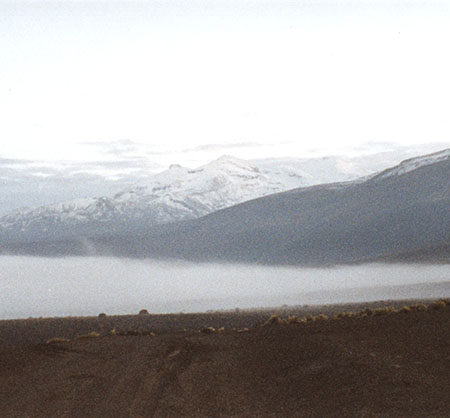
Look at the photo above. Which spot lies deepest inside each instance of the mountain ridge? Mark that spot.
(348, 222)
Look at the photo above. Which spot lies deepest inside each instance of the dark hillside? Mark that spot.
(398, 213)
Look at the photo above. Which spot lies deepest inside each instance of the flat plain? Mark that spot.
(290, 361)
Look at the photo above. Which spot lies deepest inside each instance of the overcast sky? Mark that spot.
(187, 81)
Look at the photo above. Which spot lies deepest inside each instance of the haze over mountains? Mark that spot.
(121, 165)
(400, 212)
(175, 194)
(180, 193)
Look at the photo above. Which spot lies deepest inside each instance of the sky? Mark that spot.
(187, 81)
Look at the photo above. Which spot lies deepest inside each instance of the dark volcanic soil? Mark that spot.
(387, 365)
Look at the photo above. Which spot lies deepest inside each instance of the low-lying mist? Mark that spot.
(32, 286)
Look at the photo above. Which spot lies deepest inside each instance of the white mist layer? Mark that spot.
(87, 286)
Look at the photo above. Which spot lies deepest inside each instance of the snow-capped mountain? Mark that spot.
(181, 193)
(32, 184)
(219, 184)
(175, 194)
(399, 214)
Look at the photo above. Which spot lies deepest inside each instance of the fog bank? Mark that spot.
(87, 286)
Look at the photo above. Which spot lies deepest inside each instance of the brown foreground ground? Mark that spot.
(387, 364)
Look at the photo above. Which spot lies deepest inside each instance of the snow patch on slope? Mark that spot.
(415, 163)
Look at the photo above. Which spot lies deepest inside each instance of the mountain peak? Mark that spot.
(229, 158)
(230, 163)
(176, 167)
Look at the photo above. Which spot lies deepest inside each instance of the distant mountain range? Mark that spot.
(176, 194)
(398, 213)
(32, 184)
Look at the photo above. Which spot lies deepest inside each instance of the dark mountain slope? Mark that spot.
(400, 211)
(385, 215)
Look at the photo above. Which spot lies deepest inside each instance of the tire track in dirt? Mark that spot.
(126, 372)
(179, 356)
